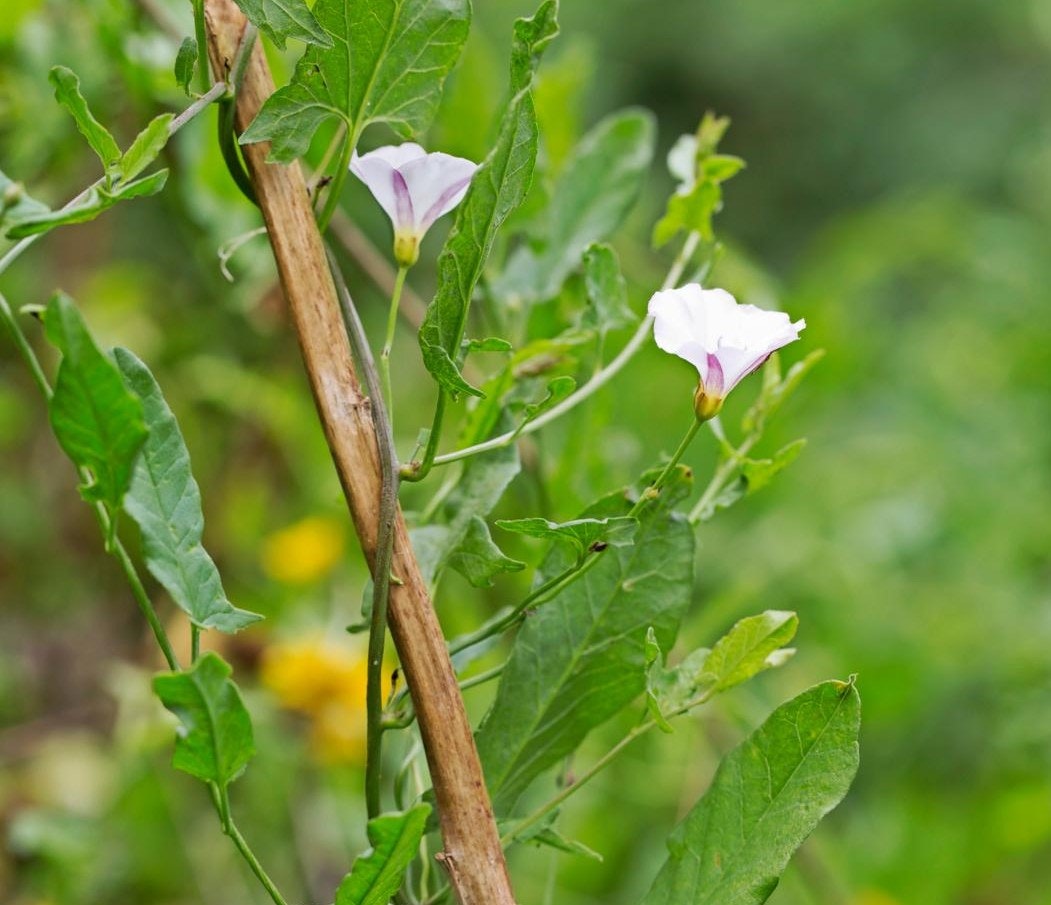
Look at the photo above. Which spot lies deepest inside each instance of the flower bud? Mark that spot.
(705, 405)
(406, 248)
(13, 193)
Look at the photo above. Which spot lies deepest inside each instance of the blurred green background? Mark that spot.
(898, 196)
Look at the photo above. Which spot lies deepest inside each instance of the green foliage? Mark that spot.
(214, 740)
(766, 798)
(777, 388)
(387, 63)
(15, 204)
(97, 421)
(484, 480)
(119, 184)
(478, 558)
(753, 475)
(581, 657)
(700, 196)
(558, 389)
(376, 877)
(165, 502)
(585, 535)
(147, 145)
(283, 19)
(599, 185)
(67, 93)
(185, 64)
(607, 292)
(754, 644)
(498, 187)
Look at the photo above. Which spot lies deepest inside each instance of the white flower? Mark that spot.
(723, 340)
(414, 188)
(682, 161)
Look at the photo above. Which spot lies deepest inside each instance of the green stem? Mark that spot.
(417, 471)
(654, 489)
(723, 473)
(335, 187)
(388, 342)
(202, 44)
(195, 643)
(231, 830)
(596, 768)
(501, 623)
(597, 382)
(381, 564)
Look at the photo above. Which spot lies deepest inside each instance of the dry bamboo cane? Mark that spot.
(472, 853)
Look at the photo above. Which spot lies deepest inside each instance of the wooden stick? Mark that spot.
(472, 852)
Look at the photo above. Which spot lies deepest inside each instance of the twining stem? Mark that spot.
(202, 43)
(217, 91)
(231, 830)
(596, 383)
(113, 545)
(388, 341)
(417, 471)
(596, 768)
(471, 844)
(384, 542)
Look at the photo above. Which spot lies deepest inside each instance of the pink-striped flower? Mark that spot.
(725, 341)
(414, 188)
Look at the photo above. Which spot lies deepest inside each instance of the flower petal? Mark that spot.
(378, 176)
(723, 340)
(437, 183)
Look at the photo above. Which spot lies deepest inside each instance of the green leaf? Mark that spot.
(97, 201)
(140, 188)
(478, 558)
(700, 196)
(690, 211)
(544, 832)
(15, 204)
(607, 291)
(86, 210)
(767, 796)
(185, 63)
(591, 198)
(752, 645)
(485, 478)
(387, 63)
(754, 475)
(96, 420)
(67, 93)
(165, 502)
(558, 388)
(584, 534)
(376, 877)
(670, 690)
(283, 19)
(214, 741)
(498, 187)
(146, 146)
(582, 657)
(489, 344)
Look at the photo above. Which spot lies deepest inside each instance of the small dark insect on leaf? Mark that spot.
(598, 546)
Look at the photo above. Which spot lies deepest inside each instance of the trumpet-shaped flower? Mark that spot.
(725, 341)
(414, 188)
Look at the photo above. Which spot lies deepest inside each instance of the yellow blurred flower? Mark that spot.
(304, 551)
(325, 681)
